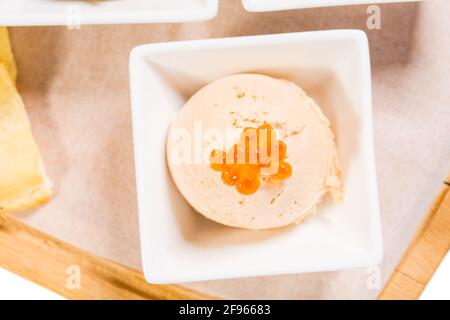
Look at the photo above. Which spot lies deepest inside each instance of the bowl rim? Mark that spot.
(273, 5)
(210, 10)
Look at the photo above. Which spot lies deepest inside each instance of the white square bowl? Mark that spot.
(70, 12)
(180, 245)
(278, 5)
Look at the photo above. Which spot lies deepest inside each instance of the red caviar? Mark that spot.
(218, 159)
(284, 171)
(248, 157)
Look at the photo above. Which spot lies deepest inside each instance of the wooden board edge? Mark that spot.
(429, 247)
(77, 274)
(74, 273)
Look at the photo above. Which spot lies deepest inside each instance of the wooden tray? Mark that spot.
(23, 250)
(81, 151)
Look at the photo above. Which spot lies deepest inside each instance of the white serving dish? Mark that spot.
(180, 245)
(71, 12)
(278, 5)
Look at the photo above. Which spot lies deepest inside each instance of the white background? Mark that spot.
(15, 287)
(439, 286)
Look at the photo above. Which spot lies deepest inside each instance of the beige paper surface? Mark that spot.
(75, 87)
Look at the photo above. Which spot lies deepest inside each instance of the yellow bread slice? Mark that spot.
(6, 55)
(23, 182)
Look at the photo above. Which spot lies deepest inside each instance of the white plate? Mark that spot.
(180, 245)
(71, 12)
(277, 5)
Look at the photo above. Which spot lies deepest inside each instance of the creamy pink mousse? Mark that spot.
(249, 100)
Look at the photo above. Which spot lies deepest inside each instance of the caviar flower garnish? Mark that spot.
(249, 156)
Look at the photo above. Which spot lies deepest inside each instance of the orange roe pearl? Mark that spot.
(218, 160)
(254, 169)
(230, 175)
(248, 146)
(284, 171)
(266, 136)
(265, 130)
(248, 185)
(233, 154)
(281, 150)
